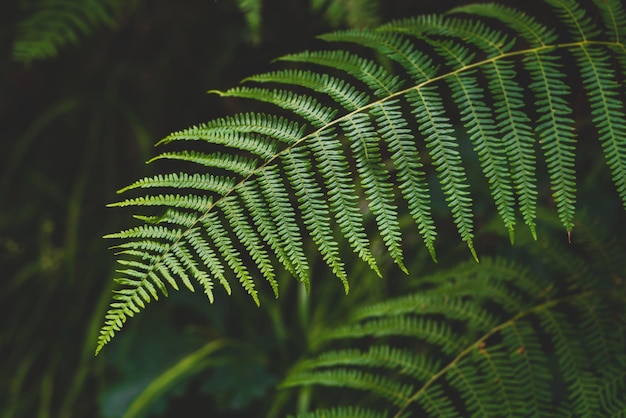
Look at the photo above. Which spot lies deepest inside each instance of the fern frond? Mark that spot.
(358, 144)
(450, 343)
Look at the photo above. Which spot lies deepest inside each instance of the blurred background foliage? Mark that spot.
(78, 120)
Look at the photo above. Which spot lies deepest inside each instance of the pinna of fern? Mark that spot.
(350, 143)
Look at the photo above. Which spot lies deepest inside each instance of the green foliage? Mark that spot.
(491, 339)
(354, 13)
(252, 12)
(351, 13)
(53, 24)
(351, 142)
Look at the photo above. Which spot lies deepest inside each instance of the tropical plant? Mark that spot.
(380, 130)
(256, 159)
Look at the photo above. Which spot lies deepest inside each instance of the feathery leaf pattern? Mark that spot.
(349, 145)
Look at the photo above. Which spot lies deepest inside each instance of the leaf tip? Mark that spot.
(433, 253)
(473, 251)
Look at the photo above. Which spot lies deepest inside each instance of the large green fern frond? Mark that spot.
(349, 145)
(489, 339)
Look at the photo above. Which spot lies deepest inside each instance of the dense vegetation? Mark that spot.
(535, 328)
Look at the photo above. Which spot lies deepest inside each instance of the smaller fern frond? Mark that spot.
(496, 351)
(573, 361)
(403, 360)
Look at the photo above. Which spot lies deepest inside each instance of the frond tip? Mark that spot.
(359, 147)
